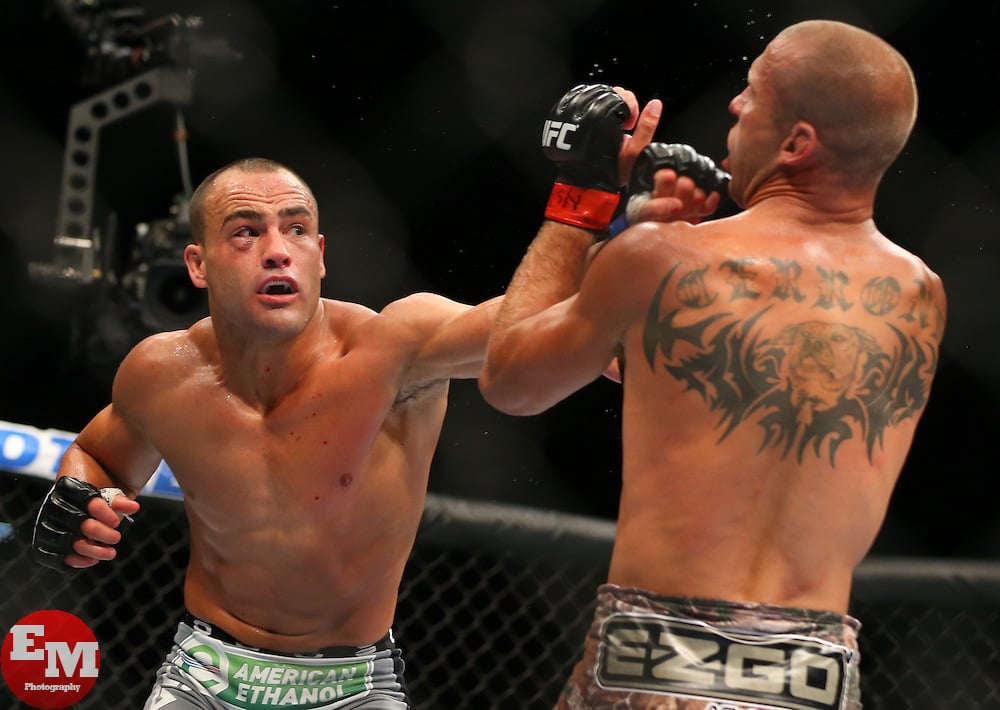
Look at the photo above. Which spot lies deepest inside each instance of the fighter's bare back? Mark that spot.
(805, 361)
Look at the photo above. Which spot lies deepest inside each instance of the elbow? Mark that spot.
(505, 397)
(508, 377)
(490, 387)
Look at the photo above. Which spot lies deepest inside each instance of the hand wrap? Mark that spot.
(582, 137)
(60, 516)
(682, 159)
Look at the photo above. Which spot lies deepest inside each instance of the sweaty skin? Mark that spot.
(775, 363)
(793, 405)
(300, 429)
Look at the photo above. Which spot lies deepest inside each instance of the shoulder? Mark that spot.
(343, 316)
(158, 365)
(158, 351)
(915, 285)
(423, 303)
(165, 357)
(646, 239)
(421, 312)
(645, 250)
(402, 326)
(436, 338)
(417, 307)
(907, 270)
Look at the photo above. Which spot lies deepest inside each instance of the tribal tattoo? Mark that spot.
(806, 384)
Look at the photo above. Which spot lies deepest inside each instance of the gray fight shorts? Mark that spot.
(650, 652)
(206, 669)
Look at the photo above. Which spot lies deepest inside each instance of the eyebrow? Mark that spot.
(255, 216)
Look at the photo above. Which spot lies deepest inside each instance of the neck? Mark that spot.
(816, 202)
(261, 371)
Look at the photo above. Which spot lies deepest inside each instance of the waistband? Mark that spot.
(723, 610)
(385, 643)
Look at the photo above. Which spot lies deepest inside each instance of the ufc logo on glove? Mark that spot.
(557, 130)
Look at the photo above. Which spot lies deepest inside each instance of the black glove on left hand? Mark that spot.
(682, 159)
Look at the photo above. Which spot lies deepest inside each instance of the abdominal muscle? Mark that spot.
(278, 589)
(314, 558)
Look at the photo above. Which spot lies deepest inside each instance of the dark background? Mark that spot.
(417, 124)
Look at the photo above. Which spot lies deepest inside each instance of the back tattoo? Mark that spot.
(806, 384)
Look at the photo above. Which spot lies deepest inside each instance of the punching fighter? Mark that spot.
(775, 364)
(301, 431)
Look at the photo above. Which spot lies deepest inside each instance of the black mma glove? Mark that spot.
(682, 159)
(582, 136)
(59, 519)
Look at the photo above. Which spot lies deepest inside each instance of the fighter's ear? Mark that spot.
(800, 145)
(195, 262)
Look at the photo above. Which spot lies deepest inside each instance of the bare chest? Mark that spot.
(312, 442)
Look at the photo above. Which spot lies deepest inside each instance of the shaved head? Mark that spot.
(855, 89)
(243, 165)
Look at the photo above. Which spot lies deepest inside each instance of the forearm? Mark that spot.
(79, 464)
(550, 272)
(527, 340)
(108, 454)
(540, 348)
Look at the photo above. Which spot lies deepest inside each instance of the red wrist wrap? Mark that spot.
(590, 209)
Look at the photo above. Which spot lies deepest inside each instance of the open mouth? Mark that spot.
(278, 287)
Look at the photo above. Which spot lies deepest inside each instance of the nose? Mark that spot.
(735, 104)
(274, 254)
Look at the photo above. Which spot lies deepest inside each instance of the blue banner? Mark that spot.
(37, 452)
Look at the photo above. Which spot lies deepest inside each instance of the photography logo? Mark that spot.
(50, 659)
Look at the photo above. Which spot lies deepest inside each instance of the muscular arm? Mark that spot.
(542, 348)
(110, 453)
(547, 341)
(112, 449)
(515, 378)
(450, 337)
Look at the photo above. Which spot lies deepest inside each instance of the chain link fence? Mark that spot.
(494, 606)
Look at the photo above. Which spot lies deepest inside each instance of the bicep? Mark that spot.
(451, 338)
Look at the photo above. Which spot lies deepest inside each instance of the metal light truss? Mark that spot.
(76, 241)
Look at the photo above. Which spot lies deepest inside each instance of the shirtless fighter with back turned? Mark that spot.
(775, 366)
